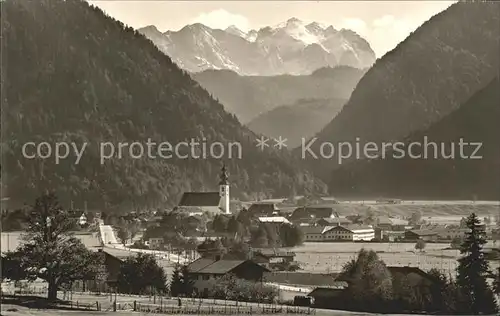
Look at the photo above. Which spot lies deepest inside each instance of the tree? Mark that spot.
(463, 222)
(122, 234)
(49, 252)
(11, 267)
(140, 274)
(420, 245)
(370, 282)
(290, 235)
(187, 283)
(456, 243)
(496, 282)
(415, 218)
(176, 282)
(476, 295)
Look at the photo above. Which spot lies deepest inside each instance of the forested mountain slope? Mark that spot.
(426, 77)
(432, 175)
(72, 74)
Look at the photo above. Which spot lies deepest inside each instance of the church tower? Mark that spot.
(224, 190)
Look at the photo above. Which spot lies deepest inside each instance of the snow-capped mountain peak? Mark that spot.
(290, 47)
(235, 31)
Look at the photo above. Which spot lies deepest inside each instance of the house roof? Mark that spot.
(263, 207)
(316, 212)
(210, 266)
(312, 229)
(352, 227)
(199, 264)
(336, 220)
(406, 270)
(200, 199)
(423, 232)
(221, 266)
(273, 252)
(332, 290)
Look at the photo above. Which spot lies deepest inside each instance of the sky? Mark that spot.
(382, 23)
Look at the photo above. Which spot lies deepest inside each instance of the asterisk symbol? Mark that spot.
(280, 142)
(262, 142)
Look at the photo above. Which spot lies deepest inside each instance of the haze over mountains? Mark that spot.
(250, 96)
(292, 47)
(431, 74)
(76, 75)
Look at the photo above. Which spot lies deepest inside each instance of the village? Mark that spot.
(272, 243)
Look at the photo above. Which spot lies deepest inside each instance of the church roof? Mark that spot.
(200, 199)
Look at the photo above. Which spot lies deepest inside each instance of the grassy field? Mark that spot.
(11, 240)
(330, 257)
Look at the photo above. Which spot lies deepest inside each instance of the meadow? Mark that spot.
(330, 257)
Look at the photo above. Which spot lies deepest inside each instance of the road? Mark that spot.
(109, 240)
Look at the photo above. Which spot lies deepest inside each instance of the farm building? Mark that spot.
(312, 233)
(427, 235)
(349, 233)
(272, 257)
(336, 221)
(328, 296)
(451, 233)
(263, 209)
(413, 275)
(313, 212)
(205, 269)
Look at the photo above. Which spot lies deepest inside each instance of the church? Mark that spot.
(212, 202)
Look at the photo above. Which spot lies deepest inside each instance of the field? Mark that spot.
(10, 240)
(330, 257)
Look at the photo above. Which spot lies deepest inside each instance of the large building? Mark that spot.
(212, 202)
(338, 233)
(349, 233)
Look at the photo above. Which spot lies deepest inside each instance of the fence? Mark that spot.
(223, 310)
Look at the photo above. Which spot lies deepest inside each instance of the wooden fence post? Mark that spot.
(135, 306)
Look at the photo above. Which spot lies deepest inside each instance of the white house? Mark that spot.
(82, 220)
(349, 233)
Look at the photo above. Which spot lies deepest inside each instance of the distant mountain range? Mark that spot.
(292, 47)
(250, 96)
(76, 75)
(297, 122)
(428, 76)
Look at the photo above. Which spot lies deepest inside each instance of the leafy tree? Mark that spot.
(370, 282)
(49, 252)
(122, 234)
(463, 222)
(415, 218)
(259, 237)
(11, 266)
(476, 295)
(220, 224)
(211, 248)
(290, 235)
(456, 243)
(420, 245)
(141, 274)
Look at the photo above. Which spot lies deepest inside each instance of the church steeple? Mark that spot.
(224, 190)
(223, 176)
